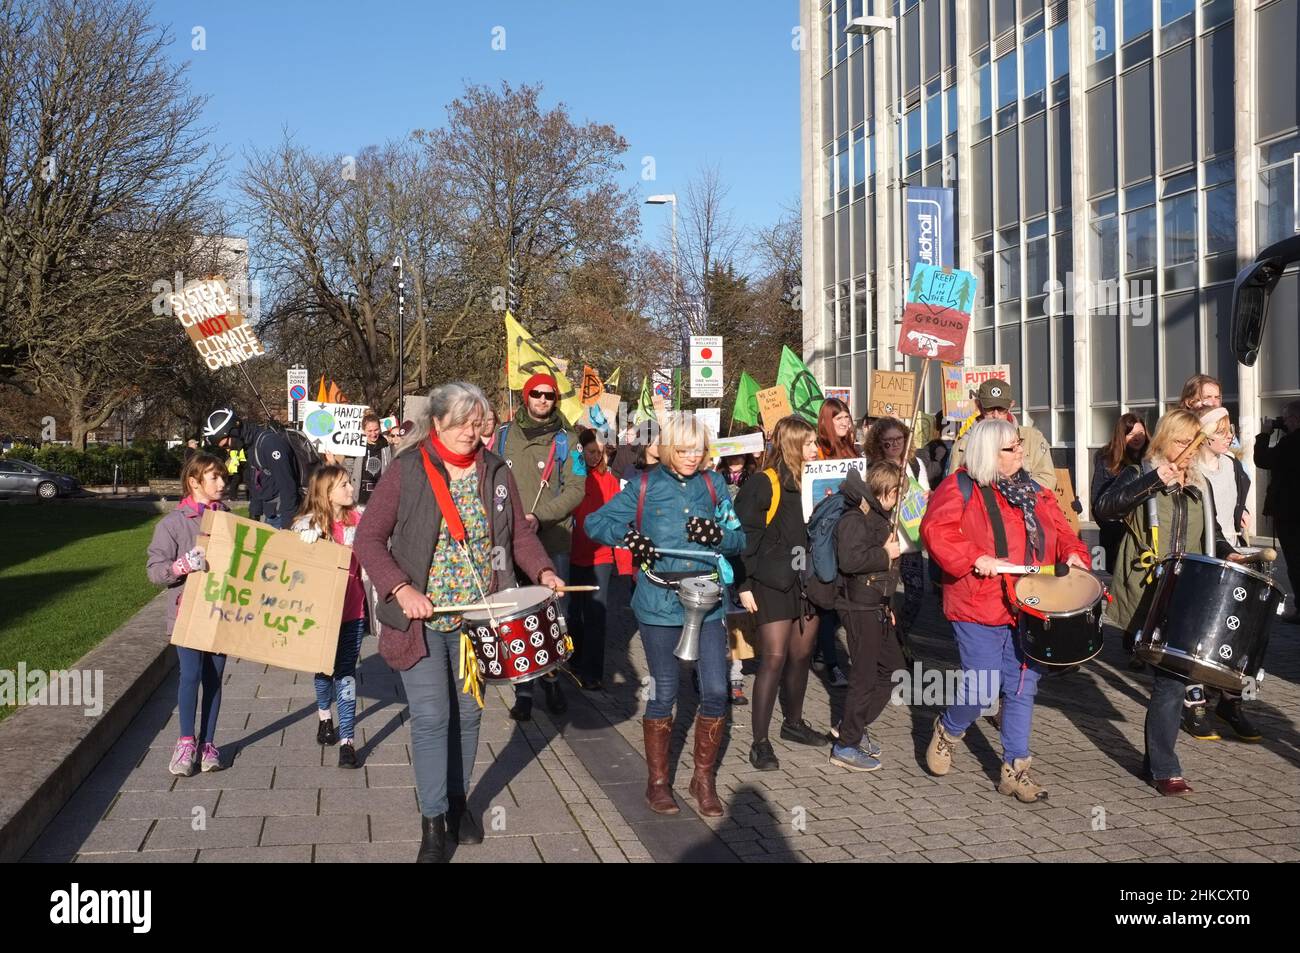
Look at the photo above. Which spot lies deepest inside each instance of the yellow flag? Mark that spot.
(526, 357)
(611, 384)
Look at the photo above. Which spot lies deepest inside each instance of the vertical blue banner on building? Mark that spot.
(929, 228)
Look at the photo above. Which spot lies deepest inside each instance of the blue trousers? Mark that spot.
(659, 642)
(991, 659)
(342, 685)
(197, 668)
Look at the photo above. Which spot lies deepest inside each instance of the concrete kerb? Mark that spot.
(47, 752)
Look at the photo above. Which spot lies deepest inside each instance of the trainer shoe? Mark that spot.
(1017, 782)
(183, 758)
(737, 696)
(1233, 711)
(867, 744)
(211, 758)
(837, 677)
(762, 757)
(938, 754)
(802, 732)
(855, 759)
(1196, 722)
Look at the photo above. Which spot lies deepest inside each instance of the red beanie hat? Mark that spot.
(540, 379)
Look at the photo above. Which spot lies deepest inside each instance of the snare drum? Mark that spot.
(1209, 621)
(1060, 617)
(523, 643)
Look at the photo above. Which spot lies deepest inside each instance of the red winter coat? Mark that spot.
(602, 486)
(955, 539)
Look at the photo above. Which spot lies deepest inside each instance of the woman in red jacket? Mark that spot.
(959, 533)
(593, 565)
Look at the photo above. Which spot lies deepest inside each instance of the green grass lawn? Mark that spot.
(69, 576)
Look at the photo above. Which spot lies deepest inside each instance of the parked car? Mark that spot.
(20, 478)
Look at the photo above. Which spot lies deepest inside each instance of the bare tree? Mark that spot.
(106, 186)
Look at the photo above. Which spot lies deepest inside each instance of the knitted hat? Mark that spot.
(540, 379)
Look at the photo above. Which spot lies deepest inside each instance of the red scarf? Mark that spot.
(462, 460)
(441, 492)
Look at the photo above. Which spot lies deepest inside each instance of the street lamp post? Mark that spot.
(670, 198)
(401, 334)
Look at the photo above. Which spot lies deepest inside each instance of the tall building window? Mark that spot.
(1179, 219)
(1140, 239)
(1177, 22)
(1275, 208)
(1137, 18)
(1007, 90)
(1035, 79)
(1221, 218)
(1101, 24)
(983, 97)
(1105, 239)
(1061, 50)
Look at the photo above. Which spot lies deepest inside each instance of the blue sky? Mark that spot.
(689, 83)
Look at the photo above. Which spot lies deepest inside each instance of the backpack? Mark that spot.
(559, 450)
(776, 495)
(821, 538)
(306, 458)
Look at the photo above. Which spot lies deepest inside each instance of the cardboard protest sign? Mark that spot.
(893, 394)
(773, 404)
(334, 428)
(210, 315)
(711, 417)
(753, 443)
(602, 416)
(267, 596)
(959, 383)
(822, 478)
(1065, 496)
(844, 394)
(936, 313)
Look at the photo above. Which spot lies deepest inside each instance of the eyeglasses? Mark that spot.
(893, 441)
(1018, 445)
(693, 452)
(542, 394)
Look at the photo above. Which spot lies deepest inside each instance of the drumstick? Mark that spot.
(1265, 555)
(476, 605)
(578, 589)
(1059, 569)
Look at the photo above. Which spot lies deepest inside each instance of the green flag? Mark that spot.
(677, 388)
(645, 408)
(746, 409)
(802, 388)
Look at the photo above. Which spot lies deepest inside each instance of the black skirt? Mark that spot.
(777, 606)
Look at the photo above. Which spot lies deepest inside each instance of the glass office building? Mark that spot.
(1114, 163)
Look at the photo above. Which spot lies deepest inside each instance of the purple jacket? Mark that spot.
(399, 531)
(174, 536)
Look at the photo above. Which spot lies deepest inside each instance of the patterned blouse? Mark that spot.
(451, 576)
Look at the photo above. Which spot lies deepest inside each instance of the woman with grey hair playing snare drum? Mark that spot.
(440, 510)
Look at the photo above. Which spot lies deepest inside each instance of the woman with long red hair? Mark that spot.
(834, 442)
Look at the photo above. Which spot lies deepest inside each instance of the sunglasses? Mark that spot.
(542, 394)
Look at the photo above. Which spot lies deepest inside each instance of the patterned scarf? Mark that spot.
(1022, 493)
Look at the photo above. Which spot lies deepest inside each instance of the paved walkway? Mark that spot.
(570, 788)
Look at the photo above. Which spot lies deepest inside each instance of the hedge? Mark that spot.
(94, 467)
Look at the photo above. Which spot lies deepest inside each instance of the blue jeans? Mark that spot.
(991, 657)
(587, 620)
(275, 522)
(343, 686)
(206, 668)
(444, 729)
(561, 563)
(1164, 716)
(659, 642)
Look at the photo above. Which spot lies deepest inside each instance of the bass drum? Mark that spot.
(1060, 617)
(1210, 621)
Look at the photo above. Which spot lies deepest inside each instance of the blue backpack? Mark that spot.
(559, 450)
(821, 538)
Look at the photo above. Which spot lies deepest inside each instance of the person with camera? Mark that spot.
(1283, 460)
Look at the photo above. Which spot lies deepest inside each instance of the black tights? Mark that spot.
(783, 647)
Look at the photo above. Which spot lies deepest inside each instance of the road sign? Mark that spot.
(706, 381)
(706, 349)
(297, 388)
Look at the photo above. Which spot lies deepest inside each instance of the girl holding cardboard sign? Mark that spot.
(173, 555)
(330, 512)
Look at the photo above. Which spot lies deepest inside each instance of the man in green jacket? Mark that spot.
(993, 399)
(546, 460)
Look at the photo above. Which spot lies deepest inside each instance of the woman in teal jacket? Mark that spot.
(677, 506)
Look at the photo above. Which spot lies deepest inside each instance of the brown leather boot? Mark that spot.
(658, 734)
(708, 739)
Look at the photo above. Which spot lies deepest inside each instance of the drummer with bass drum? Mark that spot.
(1162, 505)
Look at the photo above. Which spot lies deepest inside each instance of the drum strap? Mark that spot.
(1000, 550)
